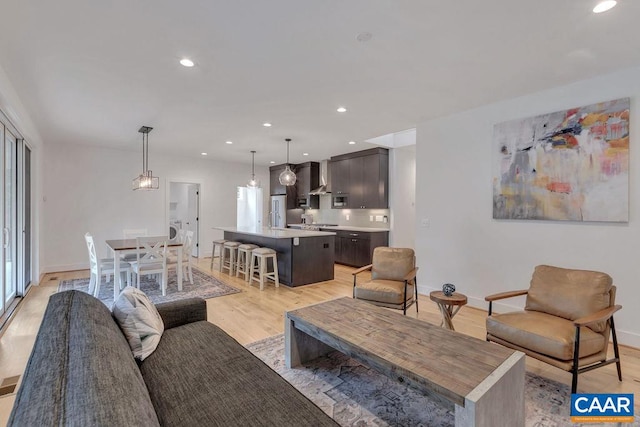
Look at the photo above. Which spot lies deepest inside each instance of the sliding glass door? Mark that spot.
(15, 217)
(10, 217)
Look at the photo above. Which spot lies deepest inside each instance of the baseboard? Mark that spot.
(67, 267)
(627, 338)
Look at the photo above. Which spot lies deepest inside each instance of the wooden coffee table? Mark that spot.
(484, 381)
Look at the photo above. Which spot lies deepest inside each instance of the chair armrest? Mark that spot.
(503, 295)
(181, 312)
(411, 275)
(361, 269)
(597, 317)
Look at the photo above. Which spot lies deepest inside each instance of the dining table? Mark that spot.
(121, 247)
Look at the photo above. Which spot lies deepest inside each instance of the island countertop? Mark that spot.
(276, 233)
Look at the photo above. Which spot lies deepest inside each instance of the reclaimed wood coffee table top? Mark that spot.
(428, 356)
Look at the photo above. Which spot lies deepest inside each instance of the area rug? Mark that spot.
(204, 286)
(354, 395)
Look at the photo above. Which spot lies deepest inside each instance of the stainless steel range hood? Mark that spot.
(325, 187)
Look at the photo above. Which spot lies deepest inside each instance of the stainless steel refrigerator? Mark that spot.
(278, 212)
(249, 208)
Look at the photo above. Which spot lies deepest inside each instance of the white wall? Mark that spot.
(89, 189)
(465, 246)
(402, 196)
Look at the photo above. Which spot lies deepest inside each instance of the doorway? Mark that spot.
(184, 210)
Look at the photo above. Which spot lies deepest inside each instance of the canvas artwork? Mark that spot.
(569, 165)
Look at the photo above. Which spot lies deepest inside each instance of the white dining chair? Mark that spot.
(132, 233)
(151, 258)
(187, 249)
(100, 266)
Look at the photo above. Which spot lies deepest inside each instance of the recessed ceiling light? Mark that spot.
(204, 154)
(229, 142)
(272, 162)
(187, 62)
(305, 154)
(266, 124)
(364, 37)
(352, 143)
(603, 6)
(341, 110)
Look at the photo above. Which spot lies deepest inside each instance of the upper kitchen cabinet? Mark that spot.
(307, 179)
(276, 189)
(361, 180)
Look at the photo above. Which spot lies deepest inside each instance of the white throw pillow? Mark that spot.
(139, 320)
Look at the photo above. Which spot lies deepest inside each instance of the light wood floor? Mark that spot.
(252, 315)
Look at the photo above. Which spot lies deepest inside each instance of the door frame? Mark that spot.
(167, 216)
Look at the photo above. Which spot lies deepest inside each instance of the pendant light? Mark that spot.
(287, 177)
(146, 180)
(253, 182)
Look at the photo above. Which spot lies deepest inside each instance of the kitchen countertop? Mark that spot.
(283, 233)
(347, 228)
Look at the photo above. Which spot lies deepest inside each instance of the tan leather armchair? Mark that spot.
(393, 281)
(566, 322)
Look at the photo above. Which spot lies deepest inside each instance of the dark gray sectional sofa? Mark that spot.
(82, 373)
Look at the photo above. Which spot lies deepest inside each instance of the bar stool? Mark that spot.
(230, 261)
(217, 244)
(259, 259)
(244, 257)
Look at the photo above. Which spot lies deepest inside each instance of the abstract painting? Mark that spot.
(569, 165)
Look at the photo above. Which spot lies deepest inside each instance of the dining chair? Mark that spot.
(132, 233)
(151, 258)
(100, 266)
(187, 250)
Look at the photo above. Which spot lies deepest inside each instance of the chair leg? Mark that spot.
(92, 284)
(164, 283)
(404, 306)
(574, 369)
(213, 256)
(415, 285)
(616, 351)
(138, 279)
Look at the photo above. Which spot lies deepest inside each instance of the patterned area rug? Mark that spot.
(355, 395)
(204, 286)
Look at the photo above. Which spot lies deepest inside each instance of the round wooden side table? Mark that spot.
(448, 305)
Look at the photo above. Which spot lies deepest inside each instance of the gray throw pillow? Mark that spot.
(139, 320)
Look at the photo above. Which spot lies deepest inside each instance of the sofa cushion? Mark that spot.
(544, 333)
(139, 320)
(392, 263)
(386, 291)
(81, 371)
(201, 376)
(567, 293)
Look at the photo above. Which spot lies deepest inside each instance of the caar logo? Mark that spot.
(606, 408)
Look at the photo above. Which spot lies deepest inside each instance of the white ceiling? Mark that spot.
(93, 72)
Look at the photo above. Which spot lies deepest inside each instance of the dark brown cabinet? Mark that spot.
(355, 248)
(307, 180)
(360, 180)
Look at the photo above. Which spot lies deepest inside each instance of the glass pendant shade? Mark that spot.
(146, 180)
(287, 177)
(253, 182)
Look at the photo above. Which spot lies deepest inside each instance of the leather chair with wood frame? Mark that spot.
(566, 322)
(393, 281)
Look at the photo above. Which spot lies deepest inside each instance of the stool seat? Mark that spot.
(259, 261)
(264, 251)
(247, 246)
(230, 244)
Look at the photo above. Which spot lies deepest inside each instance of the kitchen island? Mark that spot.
(304, 257)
